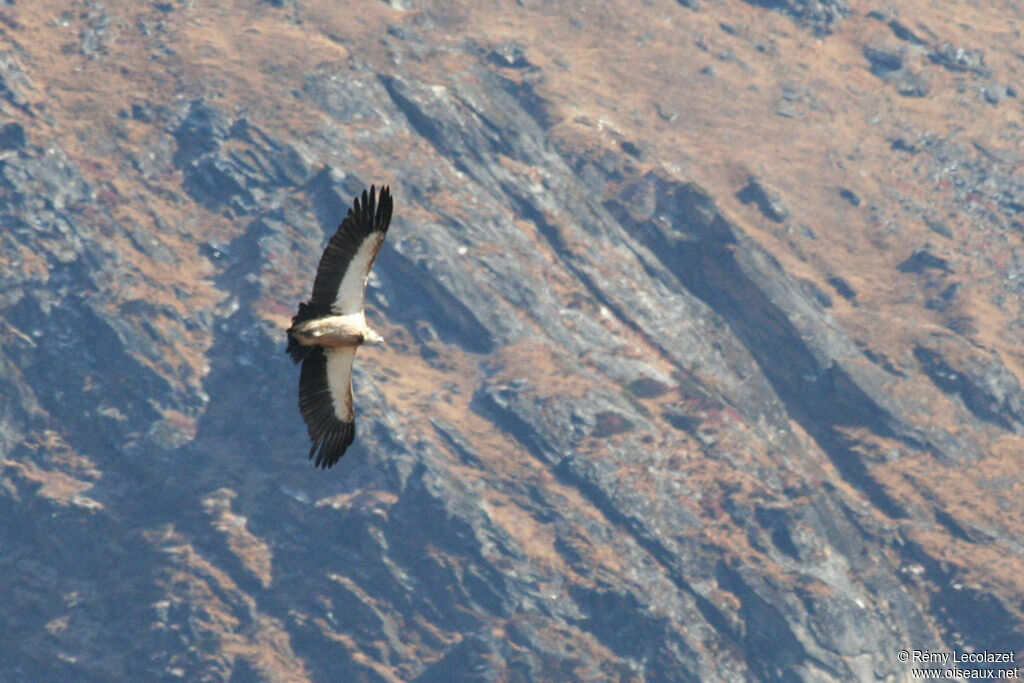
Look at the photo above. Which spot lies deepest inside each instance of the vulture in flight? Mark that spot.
(328, 328)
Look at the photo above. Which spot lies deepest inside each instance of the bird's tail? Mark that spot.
(307, 311)
(297, 351)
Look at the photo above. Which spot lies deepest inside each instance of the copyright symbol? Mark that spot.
(904, 656)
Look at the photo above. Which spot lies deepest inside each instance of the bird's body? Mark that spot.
(335, 331)
(328, 328)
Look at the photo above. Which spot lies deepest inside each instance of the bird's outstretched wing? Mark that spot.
(325, 399)
(346, 262)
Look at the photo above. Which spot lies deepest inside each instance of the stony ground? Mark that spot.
(705, 339)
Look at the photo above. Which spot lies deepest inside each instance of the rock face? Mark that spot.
(704, 351)
(820, 16)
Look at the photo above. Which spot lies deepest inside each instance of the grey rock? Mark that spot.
(818, 16)
(201, 130)
(884, 61)
(913, 83)
(955, 58)
(901, 145)
(922, 260)
(850, 196)
(95, 35)
(986, 387)
(903, 32)
(994, 93)
(511, 55)
(767, 201)
(13, 82)
(12, 136)
(842, 287)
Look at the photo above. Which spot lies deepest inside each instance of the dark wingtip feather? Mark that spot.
(332, 445)
(384, 207)
(373, 209)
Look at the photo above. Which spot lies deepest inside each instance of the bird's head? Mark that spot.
(371, 337)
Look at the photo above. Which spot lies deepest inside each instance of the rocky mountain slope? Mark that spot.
(704, 339)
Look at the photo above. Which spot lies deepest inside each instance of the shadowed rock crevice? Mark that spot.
(818, 391)
(330, 195)
(227, 162)
(71, 554)
(599, 498)
(525, 93)
(474, 125)
(970, 615)
(703, 252)
(766, 633)
(442, 589)
(496, 405)
(80, 369)
(991, 393)
(430, 117)
(778, 522)
(417, 295)
(490, 404)
(628, 628)
(551, 234)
